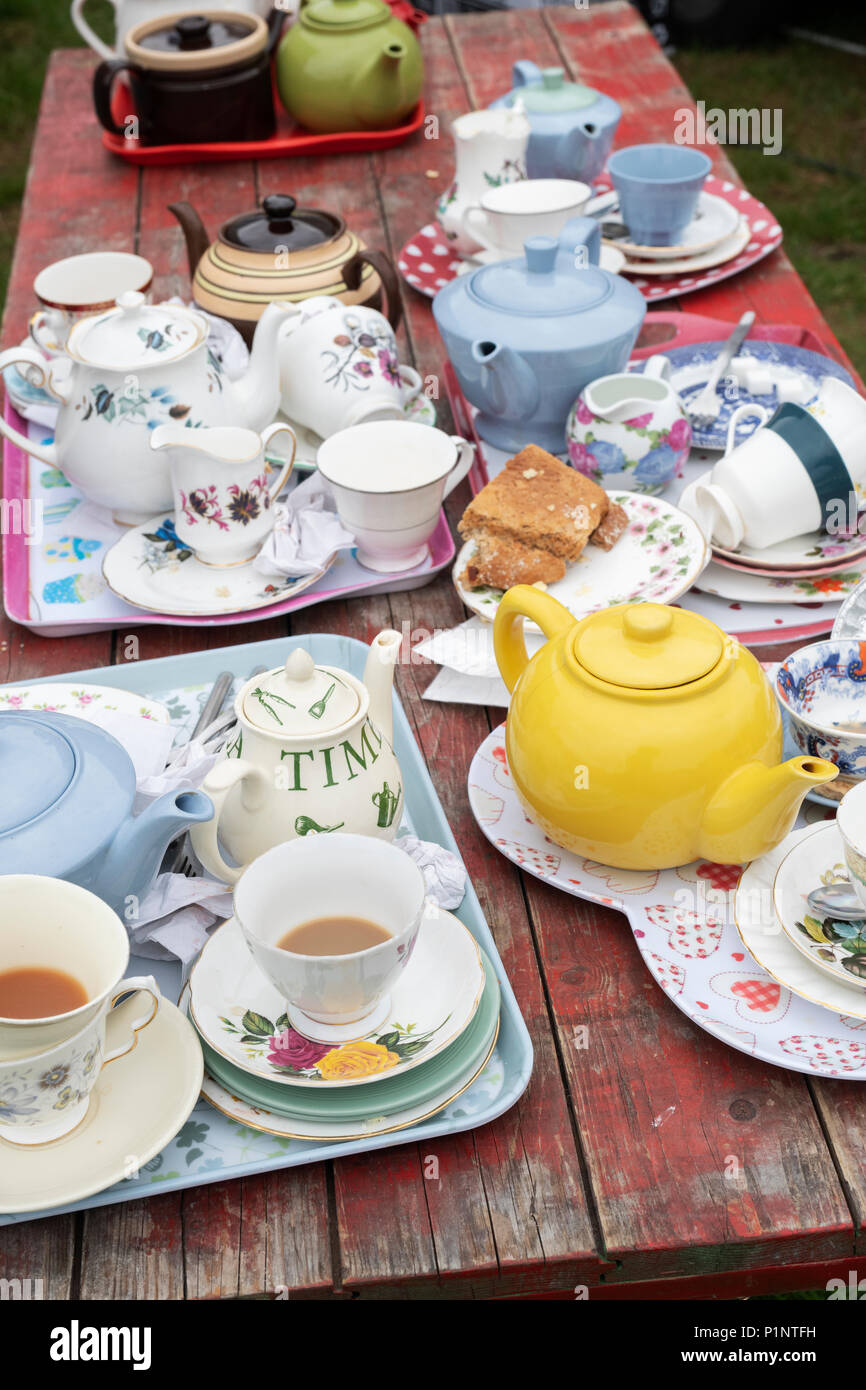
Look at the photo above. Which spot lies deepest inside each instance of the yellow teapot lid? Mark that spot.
(648, 646)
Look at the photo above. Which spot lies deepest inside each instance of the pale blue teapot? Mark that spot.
(66, 798)
(525, 336)
(572, 125)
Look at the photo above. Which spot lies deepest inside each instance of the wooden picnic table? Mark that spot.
(579, 1185)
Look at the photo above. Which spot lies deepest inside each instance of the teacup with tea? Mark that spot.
(332, 920)
(63, 952)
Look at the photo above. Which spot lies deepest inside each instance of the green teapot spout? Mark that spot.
(386, 84)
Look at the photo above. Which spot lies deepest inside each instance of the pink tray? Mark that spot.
(16, 572)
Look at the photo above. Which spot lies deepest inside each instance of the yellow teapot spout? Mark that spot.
(756, 806)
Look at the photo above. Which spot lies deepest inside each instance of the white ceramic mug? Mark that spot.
(332, 998)
(223, 497)
(339, 367)
(389, 481)
(851, 823)
(49, 1066)
(507, 215)
(79, 285)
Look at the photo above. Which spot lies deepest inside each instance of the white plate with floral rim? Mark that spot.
(742, 587)
(836, 948)
(420, 410)
(150, 568)
(658, 557)
(255, 1117)
(714, 221)
(811, 551)
(85, 701)
(684, 926)
(241, 1015)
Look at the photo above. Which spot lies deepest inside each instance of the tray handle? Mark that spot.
(387, 274)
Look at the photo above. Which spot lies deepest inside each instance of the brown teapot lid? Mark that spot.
(280, 223)
(197, 42)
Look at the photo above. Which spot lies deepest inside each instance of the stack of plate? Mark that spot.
(818, 957)
(816, 568)
(438, 1037)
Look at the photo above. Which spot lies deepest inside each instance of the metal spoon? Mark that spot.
(837, 900)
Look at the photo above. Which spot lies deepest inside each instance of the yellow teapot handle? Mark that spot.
(523, 601)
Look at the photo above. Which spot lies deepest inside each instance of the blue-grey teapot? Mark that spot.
(572, 125)
(525, 336)
(66, 795)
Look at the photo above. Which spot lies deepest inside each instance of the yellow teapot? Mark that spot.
(644, 737)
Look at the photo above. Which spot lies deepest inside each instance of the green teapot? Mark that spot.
(349, 65)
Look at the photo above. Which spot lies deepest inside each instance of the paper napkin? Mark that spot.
(306, 534)
(469, 672)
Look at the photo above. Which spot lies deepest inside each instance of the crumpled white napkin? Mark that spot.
(443, 872)
(469, 672)
(185, 770)
(174, 919)
(306, 533)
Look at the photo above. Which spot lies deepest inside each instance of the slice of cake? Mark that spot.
(533, 519)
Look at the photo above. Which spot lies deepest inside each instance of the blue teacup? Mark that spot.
(658, 187)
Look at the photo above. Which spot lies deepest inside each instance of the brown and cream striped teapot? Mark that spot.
(287, 253)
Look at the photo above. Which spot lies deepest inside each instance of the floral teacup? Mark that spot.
(823, 688)
(49, 1066)
(630, 430)
(339, 367)
(223, 494)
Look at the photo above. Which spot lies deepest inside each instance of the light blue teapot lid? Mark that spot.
(546, 280)
(38, 764)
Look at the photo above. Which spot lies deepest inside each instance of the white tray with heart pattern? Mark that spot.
(694, 953)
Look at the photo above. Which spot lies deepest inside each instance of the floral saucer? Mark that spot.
(269, 1122)
(810, 552)
(835, 947)
(150, 568)
(657, 558)
(241, 1016)
(138, 1105)
(83, 700)
(387, 1094)
(742, 587)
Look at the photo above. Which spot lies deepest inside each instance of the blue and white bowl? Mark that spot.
(823, 689)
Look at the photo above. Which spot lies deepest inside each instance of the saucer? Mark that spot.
(726, 250)
(137, 1106)
(149, 568)
(743, 587)
(420, 410)
(836, 948)
(658, 557)
(387, 1093)
(714, 221)
(269, 1122)
(769, 942)
(237, 1010)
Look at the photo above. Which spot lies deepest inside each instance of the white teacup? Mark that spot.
(389, 481)
(80, 285)
(851, 824)
(507, 215)
(332, 998)
(339, 367)
(49, 1066)
(223, 497)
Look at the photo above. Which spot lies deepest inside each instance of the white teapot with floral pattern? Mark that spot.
(129, 370)
(312, 753)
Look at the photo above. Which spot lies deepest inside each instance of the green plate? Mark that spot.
(379, 1097)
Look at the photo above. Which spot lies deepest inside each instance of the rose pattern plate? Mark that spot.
(82, 700)
(743, 587)
(684, 926)
(658, 557)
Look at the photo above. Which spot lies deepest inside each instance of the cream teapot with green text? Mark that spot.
(312, 753)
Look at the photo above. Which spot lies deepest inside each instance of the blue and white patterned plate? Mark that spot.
(789, 372)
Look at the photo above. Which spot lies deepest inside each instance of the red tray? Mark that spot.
(290, 139)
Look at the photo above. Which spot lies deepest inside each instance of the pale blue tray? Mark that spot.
(210, 1147)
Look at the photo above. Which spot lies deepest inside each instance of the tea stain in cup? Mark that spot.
(333, 936)
(37, 991)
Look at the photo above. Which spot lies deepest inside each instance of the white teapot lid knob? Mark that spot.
(130, 300)
(300, 665)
